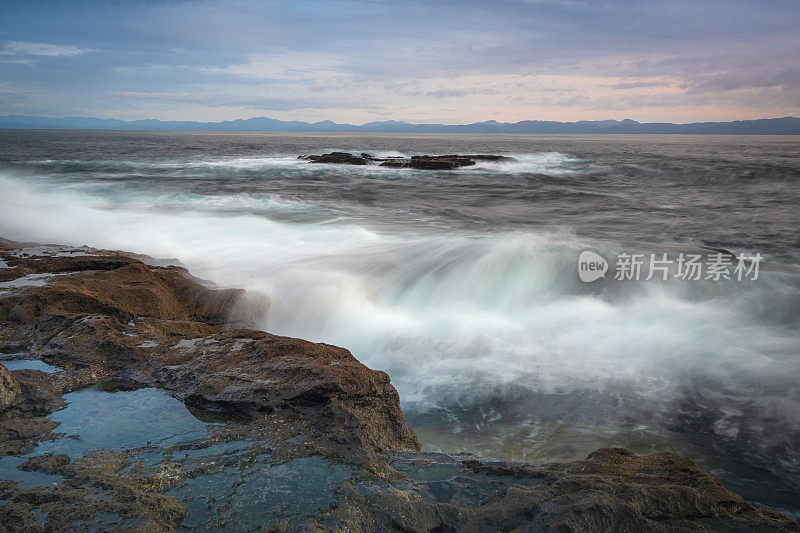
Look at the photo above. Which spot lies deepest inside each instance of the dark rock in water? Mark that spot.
(438, 162)
(482, 157)
(342, 158)
(421, 162)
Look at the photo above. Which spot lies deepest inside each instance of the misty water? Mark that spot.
(463, 284)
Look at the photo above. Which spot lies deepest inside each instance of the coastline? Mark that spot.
(787, 125)
(120, 323)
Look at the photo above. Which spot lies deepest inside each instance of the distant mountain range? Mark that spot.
(765, 126)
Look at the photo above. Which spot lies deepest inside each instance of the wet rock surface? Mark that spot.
(420, 162)
(9, 389)
(29, 395)
(162, 413)
(612, 490)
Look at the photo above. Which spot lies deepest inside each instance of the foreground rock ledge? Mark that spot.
(109, 316)
(130, 321)
(420, 162)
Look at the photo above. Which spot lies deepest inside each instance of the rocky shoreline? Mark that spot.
(312, 437)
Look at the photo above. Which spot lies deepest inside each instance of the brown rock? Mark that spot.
(159, 326)
(28, 395)
(251, 373)
(9, 389)
(38, 393)
(612, 490)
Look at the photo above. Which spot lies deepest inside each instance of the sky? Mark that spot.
(429, 61)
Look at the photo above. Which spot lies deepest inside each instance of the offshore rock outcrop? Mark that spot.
(119, 321)
(421, 162)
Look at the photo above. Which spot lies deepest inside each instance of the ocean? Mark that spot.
(463, 285)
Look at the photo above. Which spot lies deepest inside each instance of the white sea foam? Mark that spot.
(552, 163)
(239, 162)
(227, 163)
(441, 312)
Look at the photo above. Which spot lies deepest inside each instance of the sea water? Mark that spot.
(463, 284)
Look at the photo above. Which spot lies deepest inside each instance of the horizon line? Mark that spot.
(395, 121)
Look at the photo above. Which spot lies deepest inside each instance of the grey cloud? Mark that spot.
(445, 93)
(250, 102)
(42, 49)
(747, 49)
(640, 84)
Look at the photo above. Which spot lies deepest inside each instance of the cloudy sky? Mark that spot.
(429, 61)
